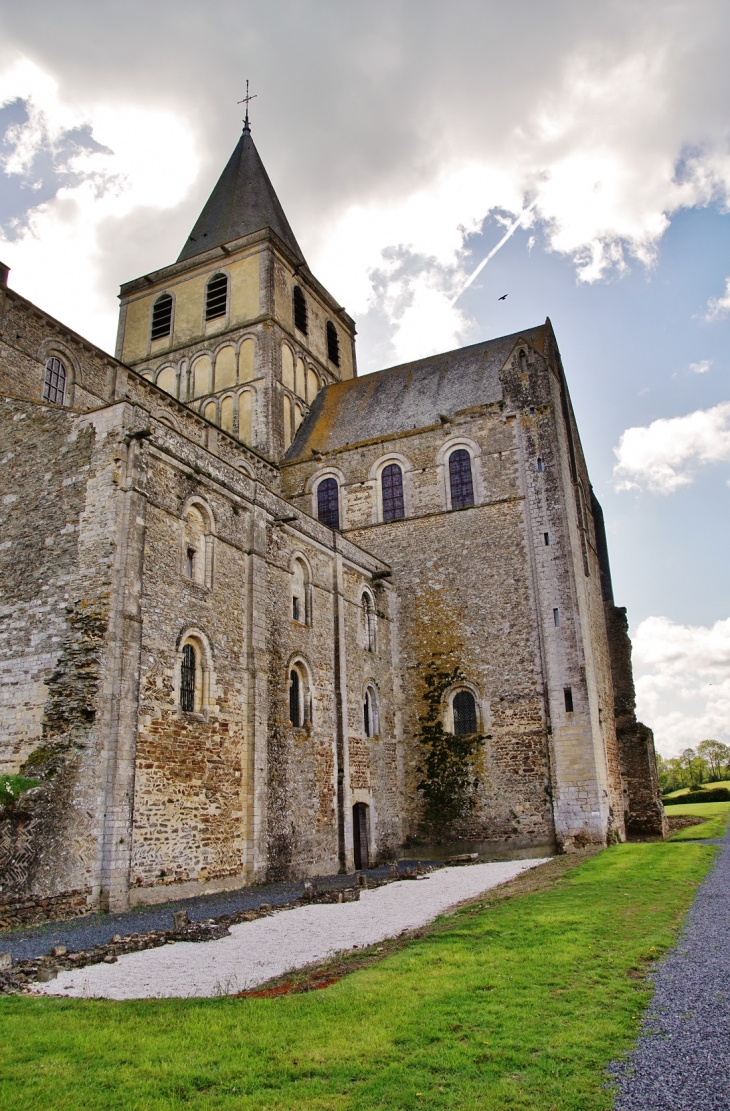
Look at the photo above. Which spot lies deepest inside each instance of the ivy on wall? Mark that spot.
(449, 764)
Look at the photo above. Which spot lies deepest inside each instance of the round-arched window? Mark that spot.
(392, 490)
(460, 479)
(464, 710)
(187, 679)
(328, 502)
(54, 381)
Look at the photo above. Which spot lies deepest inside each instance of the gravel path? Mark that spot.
(98, 929)
(258, 951)
(682, 1061)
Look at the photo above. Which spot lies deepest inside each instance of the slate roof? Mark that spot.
(409, 396)
(242, 202)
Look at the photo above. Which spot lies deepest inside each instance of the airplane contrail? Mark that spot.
(507, 235)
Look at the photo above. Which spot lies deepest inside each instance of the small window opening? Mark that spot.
(161, 317)
(300, 310)
(190, 563)
(367, 715)
(392, 489)
(568, 695)
(187, 679)
(54, 381)
(296, 609)
(295, 698)
(360, 835)
(547, 539)
(532, 410)
(328, 503)
(539, 464)
(556, 616)
(460, 478)
(333, 344)
(523, 362)
(216, 298)
(370, 623)
(465, 714)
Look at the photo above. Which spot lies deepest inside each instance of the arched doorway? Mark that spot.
(360, 834)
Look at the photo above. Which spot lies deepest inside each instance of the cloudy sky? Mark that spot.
(407, 141)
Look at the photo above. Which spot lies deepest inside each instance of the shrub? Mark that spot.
(715, 794)
(13, 786)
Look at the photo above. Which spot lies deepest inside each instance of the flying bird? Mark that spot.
(503, 297)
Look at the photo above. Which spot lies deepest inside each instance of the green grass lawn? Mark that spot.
(514, 1003)
(715, 826)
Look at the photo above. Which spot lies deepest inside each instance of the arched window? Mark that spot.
(328, 502)
(295, 698)
(523, 362)
(300, 593)
(333, 343)
(371, 724)
(216, 297)
(188, 671)
(370, 622)
(392, 487)
(464, 709)
(299, 700)
(197, 546)
(300, 310)
(54, 381)
(460, 479)
(161, 317)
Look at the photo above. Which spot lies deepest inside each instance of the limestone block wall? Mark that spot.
(465, 616)
(63, 638)
(567, 585)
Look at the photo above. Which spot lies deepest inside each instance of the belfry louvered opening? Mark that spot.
(216, 298)
(300, 310)
(162, 316)
(333, 344)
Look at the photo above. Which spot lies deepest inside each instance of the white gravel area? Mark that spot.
(258, 951)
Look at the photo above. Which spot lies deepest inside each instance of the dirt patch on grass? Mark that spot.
(683, 821)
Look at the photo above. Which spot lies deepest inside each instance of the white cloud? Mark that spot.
(140, 158)
(664, 456)
(621, 126)
(683, 682)
(719, 307)
(702, 367)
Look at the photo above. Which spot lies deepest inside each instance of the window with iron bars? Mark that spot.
(465, 714)
(187, 679)
(54, 381)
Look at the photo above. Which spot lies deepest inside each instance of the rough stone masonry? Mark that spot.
(261, 618)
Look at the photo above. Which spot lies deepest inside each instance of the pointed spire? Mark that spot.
(242, 202)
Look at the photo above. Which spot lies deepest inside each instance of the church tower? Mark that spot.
(239, 328)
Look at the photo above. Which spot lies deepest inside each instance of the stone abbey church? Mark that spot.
(261, 618)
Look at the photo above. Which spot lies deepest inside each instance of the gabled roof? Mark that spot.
(242, 202)
(413, 395)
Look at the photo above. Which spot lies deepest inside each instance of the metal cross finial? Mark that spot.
(245, 101)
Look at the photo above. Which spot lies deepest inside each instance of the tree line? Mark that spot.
(708, 763)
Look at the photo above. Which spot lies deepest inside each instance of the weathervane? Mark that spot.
(245, 101)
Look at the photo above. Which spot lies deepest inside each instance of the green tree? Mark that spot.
(717, 756)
